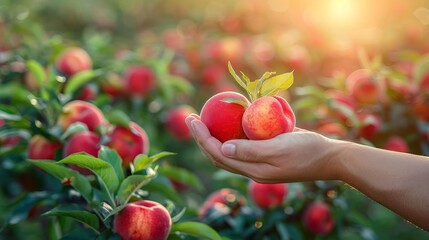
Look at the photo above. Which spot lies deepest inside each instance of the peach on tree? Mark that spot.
(73, 60)
(143, 220)
(81, 111)
(267, 196)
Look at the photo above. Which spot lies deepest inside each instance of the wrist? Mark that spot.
(337, 152)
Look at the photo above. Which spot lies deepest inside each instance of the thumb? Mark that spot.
(244, 150)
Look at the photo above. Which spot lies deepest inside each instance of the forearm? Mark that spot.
(398, 181)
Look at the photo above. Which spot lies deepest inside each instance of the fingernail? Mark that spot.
(228, 149)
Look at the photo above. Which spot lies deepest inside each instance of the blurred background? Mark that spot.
(188, 43)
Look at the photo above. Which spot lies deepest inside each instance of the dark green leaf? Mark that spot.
(111, 156)
(118, 117)
(78, 80)
(102, 169)
(130, 185)
(77, 213)
(181, 175)
(38, 71)
(196, 229)
(78, 181)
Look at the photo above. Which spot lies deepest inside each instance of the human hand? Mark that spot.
(290, 157)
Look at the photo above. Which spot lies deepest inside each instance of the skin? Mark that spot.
(396, 180)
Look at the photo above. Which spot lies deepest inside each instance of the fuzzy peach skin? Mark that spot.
(224, 120)
(81, 111)
(129, 142)
(143, 220)
(41, 148)
(267, 195)
(268, 117)
(73, 60)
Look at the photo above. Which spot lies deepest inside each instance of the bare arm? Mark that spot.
(395, 180)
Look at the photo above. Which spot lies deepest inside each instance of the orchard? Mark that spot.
(94, 97)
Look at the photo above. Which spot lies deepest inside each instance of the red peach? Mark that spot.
(81, 111)
(213, 74)
(268, 117)
(224, 120)
(73, 60)
(41, 148)
(87, 142)
(139, 80)
(396, 143)
(318, 218)
(129, 142)
(175, 122)
(220, 199)
(363, 87)
(370, 125)
(88, 92)
(143, 220)
(267, 196)
(332, 129)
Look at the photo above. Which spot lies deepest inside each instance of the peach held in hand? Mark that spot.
(268, 117)
(143, 220)
(224, 119)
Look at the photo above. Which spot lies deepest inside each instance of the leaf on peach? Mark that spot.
(130, 185)
(236, 77)
(236, 101)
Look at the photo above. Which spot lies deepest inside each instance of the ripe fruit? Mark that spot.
(396, 143)
(73, 60)
(224, 119)
(225, 199)
(267, 196)
(88, 92)
(41, 148)
(129, 142)
(139, 80)
(370, 125)
(213, 74)
(317, 218)
(87, 142)
(81, 111)
(175, 122)
(268, 117)
(363, 87)
(143, 220)
(333, 130)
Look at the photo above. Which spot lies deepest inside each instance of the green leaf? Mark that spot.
(236, 101)
(77, 181)
(101, 168)
(277, 83)
(142, 161)
(77, 213)
(74, 128)
(177, 217)
(236, 77)
(162, 185)
(118, 117)
(132, 184)
(182, 175)
(78, 80)
(37, 70)
(111, 156)
(196, 229)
